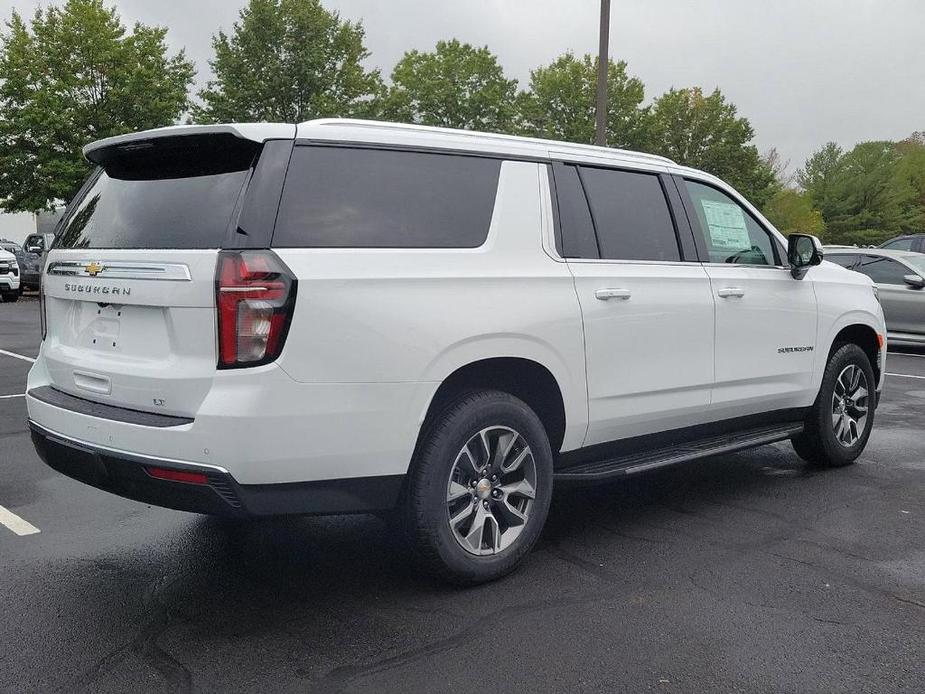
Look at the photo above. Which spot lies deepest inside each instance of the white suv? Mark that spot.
(346, 316)
(9, 276)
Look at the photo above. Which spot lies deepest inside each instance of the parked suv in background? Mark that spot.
(9, 276)
(900, 280)
(348, 316)
(910, 242)
(34, 248)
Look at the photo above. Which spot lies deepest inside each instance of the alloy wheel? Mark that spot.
(850, 405)
(491, 490)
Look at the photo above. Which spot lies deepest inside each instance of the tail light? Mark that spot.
(255, 296)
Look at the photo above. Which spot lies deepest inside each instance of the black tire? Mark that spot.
(425, 507)
(818, 443)
(10, 297)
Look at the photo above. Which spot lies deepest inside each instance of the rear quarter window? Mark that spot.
(372, 198)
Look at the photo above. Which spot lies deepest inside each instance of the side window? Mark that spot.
(630, 214)
(575, 223)
(899, 245)
(847, 261)
(730, 233)
(882, 270)
(372, 198)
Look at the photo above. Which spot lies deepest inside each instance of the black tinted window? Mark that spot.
(575, 224)
(175, 193)
(630, 215)
(730, 233)
(882, 270)
(368, 198)
(843, 260)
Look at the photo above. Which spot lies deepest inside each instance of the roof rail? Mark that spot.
(496, 137)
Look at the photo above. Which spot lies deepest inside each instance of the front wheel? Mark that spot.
(479, 487)
(840, 421)
(10, 297)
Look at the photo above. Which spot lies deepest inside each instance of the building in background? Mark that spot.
(17, 226)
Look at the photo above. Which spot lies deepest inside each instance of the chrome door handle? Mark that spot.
(607, 294)
(730, 291)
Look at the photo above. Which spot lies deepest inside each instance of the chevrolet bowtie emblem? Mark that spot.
(94, 268)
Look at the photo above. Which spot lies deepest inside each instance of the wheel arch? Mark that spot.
(524, 378)
(865, 336)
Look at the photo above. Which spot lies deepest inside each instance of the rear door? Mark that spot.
(129, 287)
(765, 319)
(648, 314)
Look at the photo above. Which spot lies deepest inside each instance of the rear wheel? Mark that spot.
(479, 488)
(840, 421)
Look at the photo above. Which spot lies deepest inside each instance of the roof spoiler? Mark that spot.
(101, 150)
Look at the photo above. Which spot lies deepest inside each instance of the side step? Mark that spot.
(598, 470)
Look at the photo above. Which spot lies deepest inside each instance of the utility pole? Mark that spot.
(603, 61)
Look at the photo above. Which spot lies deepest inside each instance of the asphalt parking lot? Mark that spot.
(746, 573)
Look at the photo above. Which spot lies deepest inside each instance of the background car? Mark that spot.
(909, 242)
(9, 277)
(900, 279)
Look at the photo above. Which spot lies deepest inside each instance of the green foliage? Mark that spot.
(873, 192)
(792, 211)
(74, 75)
(705, 132)
(561, 103)
(455, 86)
(289, 61)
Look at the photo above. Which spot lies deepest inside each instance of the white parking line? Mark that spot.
(17, 395)
(18, 356)
(905, 376)
(17, 524)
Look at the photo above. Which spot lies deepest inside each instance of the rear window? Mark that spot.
(180, 193)
(370, 198)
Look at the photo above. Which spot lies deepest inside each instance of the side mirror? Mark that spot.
(803, 251)
(915, 281)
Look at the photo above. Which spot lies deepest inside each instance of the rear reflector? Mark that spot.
(254, 297)
(184, 476)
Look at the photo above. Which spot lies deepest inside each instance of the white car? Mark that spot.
(9, 277)
(347, 316)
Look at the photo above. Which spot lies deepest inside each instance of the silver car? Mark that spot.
(900, 280)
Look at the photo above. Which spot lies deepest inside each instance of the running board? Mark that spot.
(599, 470)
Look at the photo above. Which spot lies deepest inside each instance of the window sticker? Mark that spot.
(727, 225)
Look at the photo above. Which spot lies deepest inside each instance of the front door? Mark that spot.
(765, 319)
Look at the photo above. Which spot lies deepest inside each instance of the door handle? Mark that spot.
(727, 292)
(607, 294)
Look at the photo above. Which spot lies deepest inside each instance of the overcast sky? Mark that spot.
(803, 71)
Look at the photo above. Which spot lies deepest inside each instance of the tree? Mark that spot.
(706, 132)
(560, 103)
(791, 210)
(71, 76)
(289, 61)
(455, 86)
(820, 171)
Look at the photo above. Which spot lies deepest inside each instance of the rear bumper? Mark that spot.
(125, 474)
